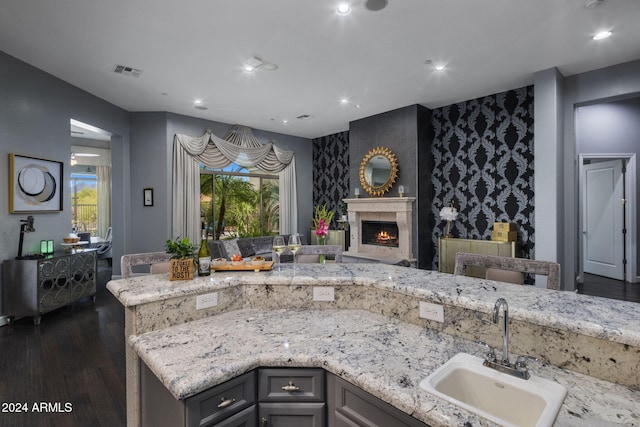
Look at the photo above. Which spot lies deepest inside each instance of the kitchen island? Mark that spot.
(372, 336)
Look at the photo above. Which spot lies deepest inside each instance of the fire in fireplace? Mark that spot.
(380, 233)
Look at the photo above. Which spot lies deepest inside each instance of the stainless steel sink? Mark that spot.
(496, 396)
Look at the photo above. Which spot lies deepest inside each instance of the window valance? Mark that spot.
(239, 146)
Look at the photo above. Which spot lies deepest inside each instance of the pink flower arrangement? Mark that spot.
(322, 221)
(322, 229)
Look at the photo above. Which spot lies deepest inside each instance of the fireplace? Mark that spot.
(381, 233)
(381, 229)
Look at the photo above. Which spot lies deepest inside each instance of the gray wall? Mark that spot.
(611, 127)
(407, 132)
(35, 109)
(606, 84)
(152, 154)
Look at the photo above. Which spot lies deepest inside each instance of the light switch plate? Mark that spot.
(206, 300)
(431, 311)
(323, 293)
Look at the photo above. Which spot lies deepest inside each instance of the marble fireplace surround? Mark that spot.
(390, 209)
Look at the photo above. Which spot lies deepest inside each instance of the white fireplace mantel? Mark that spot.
(392, 209)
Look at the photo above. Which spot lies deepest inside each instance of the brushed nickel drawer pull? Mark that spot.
(225, 402)
(291, 387)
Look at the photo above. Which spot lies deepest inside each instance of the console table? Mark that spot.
(449, 247)
(32, 287)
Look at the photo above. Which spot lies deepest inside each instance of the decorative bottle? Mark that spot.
(204, 256)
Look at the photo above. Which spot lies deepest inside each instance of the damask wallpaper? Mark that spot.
(483, 161)
(331, 170)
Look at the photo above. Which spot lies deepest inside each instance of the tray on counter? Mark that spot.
(247, 266)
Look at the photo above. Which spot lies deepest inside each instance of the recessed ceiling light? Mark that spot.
(285, 121)
(344, 101)
(343, 9)
(439, 68)
(375, 5)
(197, 101)
(602, 35)
(248, 68)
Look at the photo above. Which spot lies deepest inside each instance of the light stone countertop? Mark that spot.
(611, 320)
(375, 349)
(381, 355)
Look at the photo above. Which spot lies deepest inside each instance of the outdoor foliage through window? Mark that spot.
(84, 202)
(236, 202)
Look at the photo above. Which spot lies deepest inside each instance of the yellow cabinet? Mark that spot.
(336, 237)
(449, 247)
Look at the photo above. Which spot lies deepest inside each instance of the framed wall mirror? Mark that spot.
(378, 171)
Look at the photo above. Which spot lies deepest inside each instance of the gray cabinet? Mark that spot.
(349, 406)
(36, 286)
(291, 397)
(269, 397)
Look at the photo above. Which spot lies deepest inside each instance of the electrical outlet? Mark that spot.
(323, 293)
(431, 311)
(206, 300)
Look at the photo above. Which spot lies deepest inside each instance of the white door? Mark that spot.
(603, 219)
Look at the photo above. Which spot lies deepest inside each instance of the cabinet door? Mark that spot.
(53, 284)
(349, 406)
(291, 414)
(82, 269)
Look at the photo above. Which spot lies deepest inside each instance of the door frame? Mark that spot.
(630, 211)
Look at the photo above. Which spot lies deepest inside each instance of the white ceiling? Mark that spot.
(196, 49)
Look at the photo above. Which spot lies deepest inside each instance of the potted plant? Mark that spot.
(183, 258)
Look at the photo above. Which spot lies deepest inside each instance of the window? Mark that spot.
(239, 202)
(84, 201)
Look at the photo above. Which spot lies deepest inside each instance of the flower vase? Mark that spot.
(321, 241)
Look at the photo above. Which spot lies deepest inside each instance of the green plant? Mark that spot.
(180, 248)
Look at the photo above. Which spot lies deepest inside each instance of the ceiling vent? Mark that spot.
(304, 117)
(127, 71)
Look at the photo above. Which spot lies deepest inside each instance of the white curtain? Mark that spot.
(240, 146)
(103, 175)
(288, 199)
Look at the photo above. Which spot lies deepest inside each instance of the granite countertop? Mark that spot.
(611, 320)
(381, 355)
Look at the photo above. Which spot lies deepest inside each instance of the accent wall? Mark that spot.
(483, 162)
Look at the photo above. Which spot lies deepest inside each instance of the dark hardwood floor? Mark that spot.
(609, 288)
(71, 367)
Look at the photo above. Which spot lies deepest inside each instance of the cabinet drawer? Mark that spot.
(213, 405)
(291, 414)
(307, 385)
(246, 418)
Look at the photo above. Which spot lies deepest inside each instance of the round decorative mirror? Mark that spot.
(378, 171)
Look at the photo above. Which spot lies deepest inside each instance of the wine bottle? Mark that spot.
(204, 256)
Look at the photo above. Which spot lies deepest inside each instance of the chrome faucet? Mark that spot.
(501, 302)
(520, 368)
